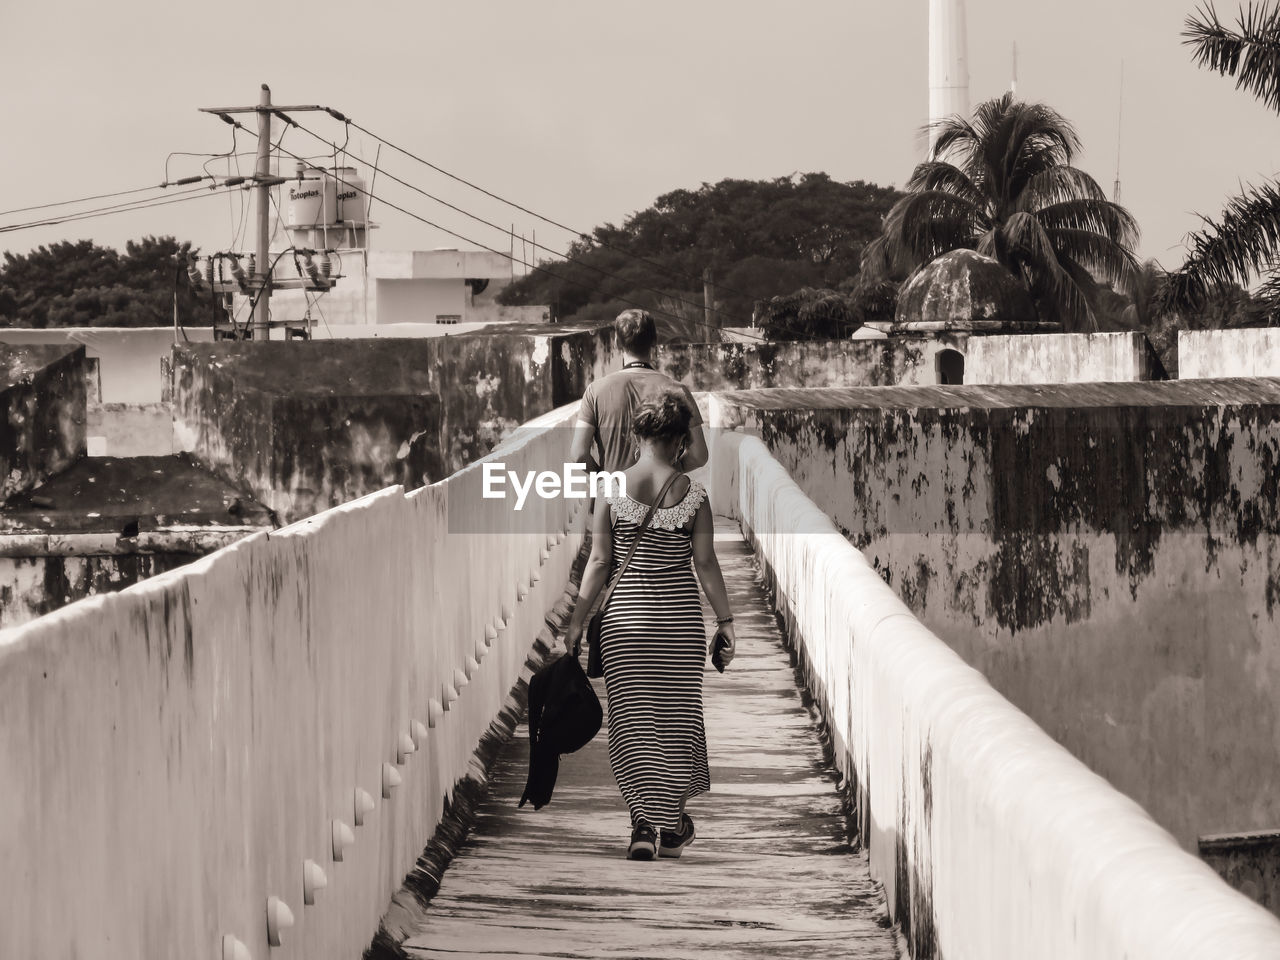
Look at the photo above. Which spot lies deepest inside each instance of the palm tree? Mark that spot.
(1245, 241)
(1147, 303)
(1002, 183)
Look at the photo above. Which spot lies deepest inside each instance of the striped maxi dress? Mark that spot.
(654, 653)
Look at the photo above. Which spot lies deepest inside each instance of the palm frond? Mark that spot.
(1036, 128)
(1080, 298)
(1267, 298)
(1057, 184)
(1101, 217)
(923, 225)
(1103, 257)
(1250, 53)
(940, 175)
(1233, 249)
(1029, 243)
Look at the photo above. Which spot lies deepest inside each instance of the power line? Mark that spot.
(661, 268)
(533, 243)
(507, 256)
(141, 204)
(100, 196)
(145, 204)
(669, 271)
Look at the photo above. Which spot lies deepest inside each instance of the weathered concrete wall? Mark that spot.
(827, 363)
(904, 361)
(32, 586)
(130, 430)
(1061, 358)
(1250, 862)
(130, 359)
(1229, 353)
(1107, 555)
(175, 753)
(992, 841)
(309, 425)
(42, 413)
(107, 523)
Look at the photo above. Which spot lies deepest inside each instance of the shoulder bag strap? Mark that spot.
(604, 600)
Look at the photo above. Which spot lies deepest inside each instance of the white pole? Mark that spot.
(948, 63)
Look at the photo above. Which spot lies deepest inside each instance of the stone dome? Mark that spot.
(965, 290)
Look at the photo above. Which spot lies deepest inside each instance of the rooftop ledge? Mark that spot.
(1262, 391)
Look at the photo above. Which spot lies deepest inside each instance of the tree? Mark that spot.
(1147, 308)
(809, 314)
(1244, 242)
(761, 239)
(1002, 183)
(80, 284)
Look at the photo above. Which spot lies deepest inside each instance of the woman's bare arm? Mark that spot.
(705, 562)
(595, 575)
(712, 580)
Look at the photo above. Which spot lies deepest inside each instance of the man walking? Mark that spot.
(602, 438)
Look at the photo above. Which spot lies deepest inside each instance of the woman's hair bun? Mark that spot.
(662, 416)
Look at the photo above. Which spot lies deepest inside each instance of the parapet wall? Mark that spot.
(912, 361)
(992, 841)
(1251, 352)
(234, 717)
(1061, 358)
(42, 413)
(802, 363)
(1107, 555)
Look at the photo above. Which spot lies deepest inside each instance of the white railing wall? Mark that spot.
(173, 755)
(992, 841)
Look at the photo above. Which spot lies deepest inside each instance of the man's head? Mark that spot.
(636, 332)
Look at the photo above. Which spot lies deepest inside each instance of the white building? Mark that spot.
(382, 287)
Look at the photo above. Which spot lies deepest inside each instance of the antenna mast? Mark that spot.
(1013, 85)
(1115, 190)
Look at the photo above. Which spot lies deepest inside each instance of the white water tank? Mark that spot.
(311, 200)
(353, 197)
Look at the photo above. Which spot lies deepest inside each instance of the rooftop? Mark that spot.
(108, 494)
(1154, 393)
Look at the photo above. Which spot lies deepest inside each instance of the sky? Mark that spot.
(588, 111)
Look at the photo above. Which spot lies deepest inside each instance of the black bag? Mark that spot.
(595, 663)
(564, 715)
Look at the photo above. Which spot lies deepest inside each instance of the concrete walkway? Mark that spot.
(772, 873)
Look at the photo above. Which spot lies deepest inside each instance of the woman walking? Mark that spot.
(652, 641)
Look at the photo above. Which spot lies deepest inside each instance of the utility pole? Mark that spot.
(709, 299)
(262, 308)
(260, 282)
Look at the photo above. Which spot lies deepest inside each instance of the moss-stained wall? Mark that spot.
(910, 360)
(827, 363)
(308, 425)
(42, 413)
(32, 586)
(1108, 555)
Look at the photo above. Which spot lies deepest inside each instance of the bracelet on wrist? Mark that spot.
(724, 620)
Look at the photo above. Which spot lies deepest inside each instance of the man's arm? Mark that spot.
(584, 431)
(695, 453)
(580, 450)
(695, 448)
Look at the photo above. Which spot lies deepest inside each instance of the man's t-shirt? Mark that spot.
(608, 405)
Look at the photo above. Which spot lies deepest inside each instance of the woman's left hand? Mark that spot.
(726, 656)
(572, 637)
